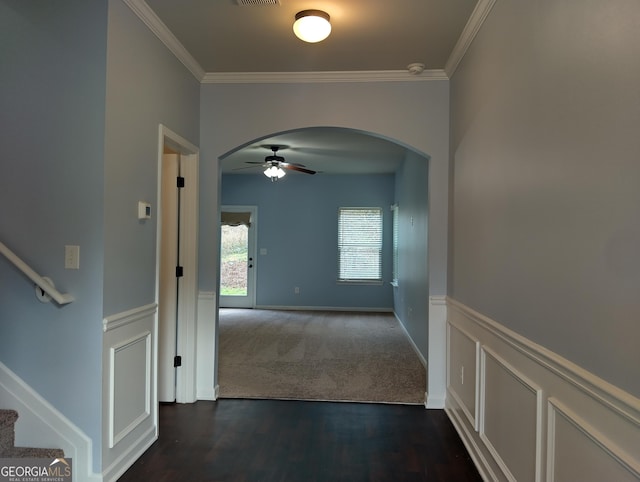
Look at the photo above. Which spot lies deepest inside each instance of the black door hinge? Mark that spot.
(179, 272)
(180, 181)
(177, 361)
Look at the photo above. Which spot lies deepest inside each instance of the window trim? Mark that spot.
(361, 281)
(395, 258)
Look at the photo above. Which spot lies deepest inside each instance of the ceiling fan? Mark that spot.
(274, 165)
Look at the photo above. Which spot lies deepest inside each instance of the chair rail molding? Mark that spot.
(526, 413)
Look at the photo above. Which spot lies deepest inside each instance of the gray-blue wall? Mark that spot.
(146, 86)
(83, 86)
(546, 208)
(298, 225)
(52, 113)
(415, 114)
(411, 298)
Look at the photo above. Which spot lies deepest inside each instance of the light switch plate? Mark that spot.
(71, 257)
(144, 210)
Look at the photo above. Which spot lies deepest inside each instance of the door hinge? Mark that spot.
(179, 272)
(177, 361)
(180, 181)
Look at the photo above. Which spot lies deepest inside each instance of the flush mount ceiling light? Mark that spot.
(312, 25)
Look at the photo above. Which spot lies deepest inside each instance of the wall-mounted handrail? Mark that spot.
(43, 284)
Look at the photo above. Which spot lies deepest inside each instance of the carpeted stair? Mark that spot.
(7, 440)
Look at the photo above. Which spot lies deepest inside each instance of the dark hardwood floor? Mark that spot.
(273, 440)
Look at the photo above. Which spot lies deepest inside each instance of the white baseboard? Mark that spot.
(126, 459)
(526, 413)
(435, 402)
(471, 445)
(207, 394)
(324, 308)
(413, 344)
(40, 424)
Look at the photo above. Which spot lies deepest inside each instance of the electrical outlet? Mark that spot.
(296, 290)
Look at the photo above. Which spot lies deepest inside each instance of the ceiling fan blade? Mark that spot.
(247, 167)
(293, 164)
(294, 167)
(255, 162)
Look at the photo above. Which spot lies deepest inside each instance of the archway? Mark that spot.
(339, 151)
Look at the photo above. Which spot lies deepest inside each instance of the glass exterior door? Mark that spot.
(237, 262)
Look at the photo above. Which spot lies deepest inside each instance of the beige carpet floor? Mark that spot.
(337, 356)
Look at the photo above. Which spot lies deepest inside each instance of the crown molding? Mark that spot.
(151, 20)
(477, 18)
(321, 77)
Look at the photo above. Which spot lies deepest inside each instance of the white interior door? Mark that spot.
(168, 286)
(238, 259)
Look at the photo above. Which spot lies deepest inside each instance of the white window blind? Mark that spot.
(360, 244)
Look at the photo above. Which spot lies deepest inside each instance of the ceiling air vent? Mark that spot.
(250, 3)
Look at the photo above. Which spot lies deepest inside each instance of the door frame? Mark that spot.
(252, 251)
(188, 292)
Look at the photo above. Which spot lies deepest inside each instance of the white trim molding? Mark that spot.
(186, 335)
(436, 373)
(40, 424)
(476, 20)
(321, 77)
(206, 359)
(325, 308)
(140, 343)
(467, 398)
(164, 34)
(516, 442)
(129, 393)
(157, 26)
(617, 459)
(421, 357)
(130, 316)
(533, 400)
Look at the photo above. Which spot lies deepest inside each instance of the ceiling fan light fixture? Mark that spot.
(312, 25)
(274, 172)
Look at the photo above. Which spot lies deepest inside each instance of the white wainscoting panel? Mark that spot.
(437, 364)
(576, 451)
(130, 384)
(462, 373)
(130, 405)
(538, 416)
(40, 424)
(510, 418)
(206, 347)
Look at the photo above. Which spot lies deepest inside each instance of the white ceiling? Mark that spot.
(378, 36)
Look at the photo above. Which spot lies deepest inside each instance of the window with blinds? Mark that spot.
(360, 245)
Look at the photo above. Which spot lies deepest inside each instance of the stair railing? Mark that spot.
(44, 285)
